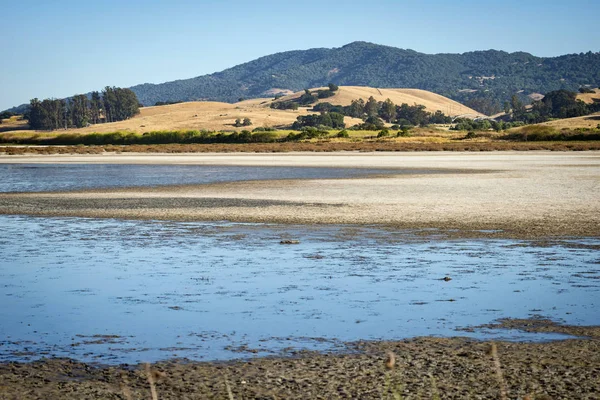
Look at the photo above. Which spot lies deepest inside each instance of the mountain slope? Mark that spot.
(495, 75)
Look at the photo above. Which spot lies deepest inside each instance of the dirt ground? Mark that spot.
(423, 368)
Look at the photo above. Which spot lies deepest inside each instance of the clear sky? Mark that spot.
(60, 48)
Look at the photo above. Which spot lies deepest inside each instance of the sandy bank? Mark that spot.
(522, 194)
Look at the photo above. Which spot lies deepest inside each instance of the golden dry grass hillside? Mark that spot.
(587, 121)
(589, 98)
(432, 102)
(218, 116)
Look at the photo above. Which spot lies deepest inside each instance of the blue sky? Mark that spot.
(60, 48)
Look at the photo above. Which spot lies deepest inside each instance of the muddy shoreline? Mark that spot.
(517, 195)
(450, 368)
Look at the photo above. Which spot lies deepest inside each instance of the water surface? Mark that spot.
(64, 177)
(125, 291)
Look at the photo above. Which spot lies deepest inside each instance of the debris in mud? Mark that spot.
(287, 241)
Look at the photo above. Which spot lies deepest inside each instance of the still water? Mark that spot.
(63, 177)
(117, 291)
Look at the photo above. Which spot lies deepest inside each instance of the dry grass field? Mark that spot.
(587, 121)
(432, 102)
(588, 98)
(218, 116)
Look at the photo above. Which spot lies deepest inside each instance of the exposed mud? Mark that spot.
(428, 368)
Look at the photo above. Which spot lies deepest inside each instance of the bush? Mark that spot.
(284, 105)
(308, 133)
(323, 94)
(383, 133)
(263, 137)
(538, 133)
(404, 131)
(342, 134)
(307, 98)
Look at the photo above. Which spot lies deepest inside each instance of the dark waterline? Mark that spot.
(117, 291)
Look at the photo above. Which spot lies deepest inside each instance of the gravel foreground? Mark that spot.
(422, 368)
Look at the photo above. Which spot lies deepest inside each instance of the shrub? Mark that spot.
(264, 137)
(383, 133)
(342, 134)
(284, 105)
(323, 94)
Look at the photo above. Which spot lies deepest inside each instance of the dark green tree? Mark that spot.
(95, 107)
(388, 111)
(357, 108)
(371, 107)
(78, 107)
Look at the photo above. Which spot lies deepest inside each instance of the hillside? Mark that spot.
(208, 115)
(586, 121)
(490, 75)
(432, 102)
(589, 98)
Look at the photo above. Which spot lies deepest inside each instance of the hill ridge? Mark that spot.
(483, 79)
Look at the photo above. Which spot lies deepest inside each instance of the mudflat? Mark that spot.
(512, 194)
(426, 368)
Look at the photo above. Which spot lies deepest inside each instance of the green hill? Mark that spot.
(482, 80)
(488, 76)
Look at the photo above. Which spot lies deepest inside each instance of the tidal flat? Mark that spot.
(291, 276)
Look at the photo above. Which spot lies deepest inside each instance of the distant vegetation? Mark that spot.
(6, 115)
(114, 104)
(556, 104)
(166, 103)
(483, 80)
(540, 133)
(372, 112)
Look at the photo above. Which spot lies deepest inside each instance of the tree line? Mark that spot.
(556, 104)
(113, 104)
(373, 113)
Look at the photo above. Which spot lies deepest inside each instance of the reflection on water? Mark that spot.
(124, 291)
(63, 177)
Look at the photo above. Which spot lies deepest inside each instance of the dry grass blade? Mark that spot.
(434, 389)
(229, 392)
(125, 387)
(151, 381)
(390, 361)
(498, 370)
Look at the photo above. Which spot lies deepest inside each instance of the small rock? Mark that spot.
(446, 278)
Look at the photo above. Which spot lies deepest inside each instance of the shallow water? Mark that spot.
(117, 291)
(64, 177)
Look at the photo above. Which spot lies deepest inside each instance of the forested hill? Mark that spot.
(483, 80)
(490, 75)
